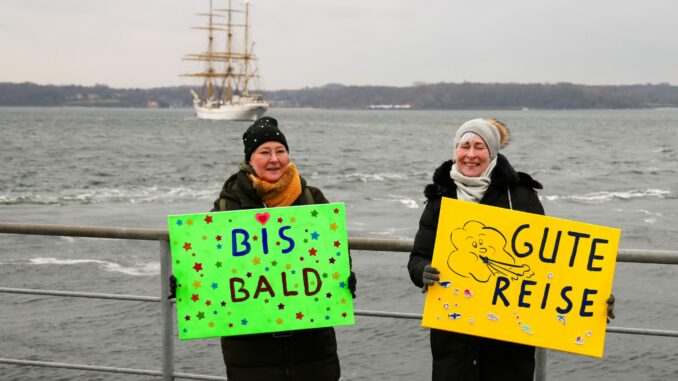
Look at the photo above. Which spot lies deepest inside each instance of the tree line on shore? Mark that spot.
(436, 96)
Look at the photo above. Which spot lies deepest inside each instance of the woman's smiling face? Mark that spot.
(472, 156)
(269, 161)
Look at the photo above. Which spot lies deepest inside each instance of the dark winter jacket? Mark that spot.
(302, 355)
(457, 356)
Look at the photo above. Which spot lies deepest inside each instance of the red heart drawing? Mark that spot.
(263, 217)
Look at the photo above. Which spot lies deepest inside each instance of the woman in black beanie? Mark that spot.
(267, 178)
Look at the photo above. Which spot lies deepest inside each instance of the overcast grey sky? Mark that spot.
(139, 43)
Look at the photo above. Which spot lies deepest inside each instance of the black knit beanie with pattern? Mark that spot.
(261, 131)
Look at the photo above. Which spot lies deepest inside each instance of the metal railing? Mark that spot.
(161, 235)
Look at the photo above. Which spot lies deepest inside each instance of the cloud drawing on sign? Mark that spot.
(480, 253)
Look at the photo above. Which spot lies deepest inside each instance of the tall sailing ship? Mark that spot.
(230, 75)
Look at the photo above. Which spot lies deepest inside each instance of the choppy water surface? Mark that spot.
(108, 167)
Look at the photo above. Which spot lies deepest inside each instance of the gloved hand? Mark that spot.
(172, 287)
(429, 277)
(610, 307)
(352, 282)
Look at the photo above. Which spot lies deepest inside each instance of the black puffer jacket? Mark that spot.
(461, 357)
(303, 355)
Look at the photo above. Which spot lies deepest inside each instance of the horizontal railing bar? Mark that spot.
(142, 372)
(371, 244)
(643, 331)
(85, 231)
(399, 315)
(109, 369)
(666, 257)
(92, 295)
(190, 376)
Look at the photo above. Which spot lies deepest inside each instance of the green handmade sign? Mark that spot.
(261, 270)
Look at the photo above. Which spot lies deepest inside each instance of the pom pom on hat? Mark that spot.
(504, 133)
(261, 131)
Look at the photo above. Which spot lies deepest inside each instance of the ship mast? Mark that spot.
(236, 73)
(246, 59)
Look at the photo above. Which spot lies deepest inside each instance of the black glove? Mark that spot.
(172, 287)
(352, 282)
(429, 277)
(610, 307)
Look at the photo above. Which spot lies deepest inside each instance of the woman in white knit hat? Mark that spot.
(477, 173)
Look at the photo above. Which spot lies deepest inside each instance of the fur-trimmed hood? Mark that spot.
(502, 175)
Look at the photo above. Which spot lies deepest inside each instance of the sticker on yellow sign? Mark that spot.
(521, 277)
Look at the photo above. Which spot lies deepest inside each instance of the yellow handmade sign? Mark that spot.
(521, 277)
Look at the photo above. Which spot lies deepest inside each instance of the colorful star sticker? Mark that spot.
(300, 316)
(189, 222)
(328, 295)
(255, 238)
(201, 315)
(312, 252)
(197, 267)
(315, 235)
(208, 303)
(211, 324)
(180, 222)
(280, 220)
(343, 314)
(281, 306)
(243, 322)
(335, 276)
(288, 266)
(336, 210)
(256, 260)
(249, 274)
(187, 246)
(214, 286)
(332, 260)
(279, 321)
(342, 284)
(301, 259)
(218, 238)
(314, 213)
(218, 264)
(223, 304)
(219, 246)
(336, 244)
(234, 270)
(274, 263)
(208, 219)
(187, 317)
(333, 226)
(196, 284)
(293, 219)
(204, 237)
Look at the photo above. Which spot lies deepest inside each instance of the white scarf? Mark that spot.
(472, 188)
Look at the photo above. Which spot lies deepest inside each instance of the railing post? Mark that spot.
(166, 310)
(540, 364)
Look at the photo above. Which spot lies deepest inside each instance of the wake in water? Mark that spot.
(602, 197)
(147, 269)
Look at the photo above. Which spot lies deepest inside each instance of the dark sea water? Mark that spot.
(132, 168)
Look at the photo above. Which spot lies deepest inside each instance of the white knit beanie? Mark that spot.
(484, 129)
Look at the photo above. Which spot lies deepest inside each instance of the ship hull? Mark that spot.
(244, 111)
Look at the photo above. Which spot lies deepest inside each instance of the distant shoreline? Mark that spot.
(437, 96)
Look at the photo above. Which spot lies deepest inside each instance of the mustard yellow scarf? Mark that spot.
(282, 192)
